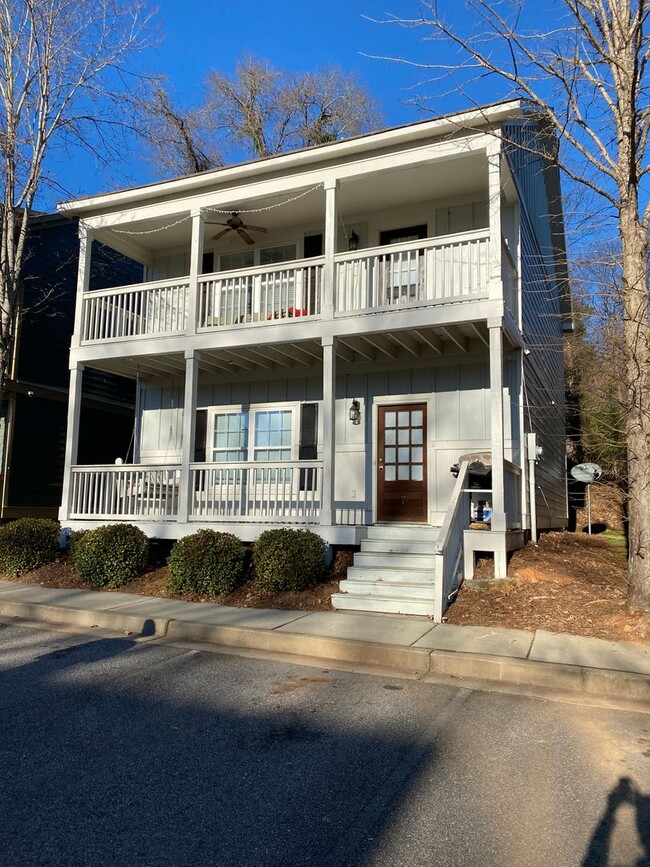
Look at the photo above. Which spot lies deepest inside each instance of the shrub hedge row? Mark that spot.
(206, 562)
(28, 543)
(111, 555)
(213, 563)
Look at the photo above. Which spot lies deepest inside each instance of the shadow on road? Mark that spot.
(115, 757)
(625, 792)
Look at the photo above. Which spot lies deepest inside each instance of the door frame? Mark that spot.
(391, 400)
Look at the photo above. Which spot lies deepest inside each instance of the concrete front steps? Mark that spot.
(393, 573)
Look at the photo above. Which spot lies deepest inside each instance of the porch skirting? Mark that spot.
(247, 531)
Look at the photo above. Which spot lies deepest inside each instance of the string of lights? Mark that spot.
(215, 211)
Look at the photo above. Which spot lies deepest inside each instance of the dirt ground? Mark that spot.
(567, 582)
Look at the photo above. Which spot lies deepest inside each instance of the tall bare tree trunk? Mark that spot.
(636, 336)
(596, 62)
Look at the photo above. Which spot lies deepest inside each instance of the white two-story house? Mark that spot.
(320, 336)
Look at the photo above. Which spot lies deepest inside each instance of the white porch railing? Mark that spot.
(135, 311)
(449, 556)
(124, 492)
(288, 491)
(260, 294)
(431, 271)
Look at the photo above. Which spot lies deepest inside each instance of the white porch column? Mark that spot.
(329, 249)
(496, 424)
(196, 261)
(72, 437)
(329, 427)
(83, 279)
(185, 490)
(495, 283)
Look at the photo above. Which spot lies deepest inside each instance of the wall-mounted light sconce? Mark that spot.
(353, 241)
(354, 413)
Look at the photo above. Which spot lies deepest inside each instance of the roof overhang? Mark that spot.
(475, 120)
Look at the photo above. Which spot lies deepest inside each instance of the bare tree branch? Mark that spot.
(258, 111)
(61, 75)
(586, 80)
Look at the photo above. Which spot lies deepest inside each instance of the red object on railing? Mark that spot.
(291, 312)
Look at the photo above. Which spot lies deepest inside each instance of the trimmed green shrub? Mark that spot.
(206, 562)
(288, 560)
(111, 555)
(28, 543)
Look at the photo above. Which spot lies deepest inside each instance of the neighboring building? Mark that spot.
(34, 411)
(322, 335)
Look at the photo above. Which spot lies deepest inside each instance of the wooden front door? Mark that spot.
(402, 464)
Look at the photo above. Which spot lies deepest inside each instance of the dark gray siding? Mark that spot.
(542, 313)
(49, 291)
(34, 458)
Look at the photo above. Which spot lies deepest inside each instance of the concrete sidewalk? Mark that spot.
(406, 644)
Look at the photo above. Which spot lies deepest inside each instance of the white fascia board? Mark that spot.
(398, 136)
(442, 315)
(248, 190)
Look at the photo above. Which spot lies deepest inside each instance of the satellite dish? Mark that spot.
(586, 473)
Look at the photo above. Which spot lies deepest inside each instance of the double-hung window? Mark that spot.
(260, 435)
(265, 435)
(230, 437)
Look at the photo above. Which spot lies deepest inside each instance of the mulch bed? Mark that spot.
(567, 582)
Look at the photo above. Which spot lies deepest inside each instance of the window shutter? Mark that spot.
(200, 435)
(308, 446)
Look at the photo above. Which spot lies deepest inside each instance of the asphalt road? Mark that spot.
(118, 752)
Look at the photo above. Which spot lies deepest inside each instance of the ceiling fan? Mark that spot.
(236, 224)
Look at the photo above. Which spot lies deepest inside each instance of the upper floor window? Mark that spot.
(272, 255)
(235, 261)
(461, 218)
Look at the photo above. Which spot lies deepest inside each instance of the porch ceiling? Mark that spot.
(400, 187)
(369, 348)
(403, 186)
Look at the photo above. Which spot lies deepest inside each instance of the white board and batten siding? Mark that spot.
(458, 398)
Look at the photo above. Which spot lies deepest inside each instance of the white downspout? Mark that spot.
(531, 451)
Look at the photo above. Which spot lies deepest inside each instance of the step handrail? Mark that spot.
(449, 554)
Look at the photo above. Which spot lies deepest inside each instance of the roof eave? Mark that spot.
(473, 119)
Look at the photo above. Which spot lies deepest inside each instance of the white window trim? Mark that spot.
(252, 409)
(257, 255)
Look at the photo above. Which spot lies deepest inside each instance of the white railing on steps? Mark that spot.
(449, 556)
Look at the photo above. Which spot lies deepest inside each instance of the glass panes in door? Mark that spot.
(403, 458)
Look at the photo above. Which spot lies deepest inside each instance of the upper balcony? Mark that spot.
(400, 236)
(427, 273)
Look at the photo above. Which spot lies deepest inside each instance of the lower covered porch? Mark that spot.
(349, 434)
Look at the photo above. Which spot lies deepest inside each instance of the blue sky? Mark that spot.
(292, 35)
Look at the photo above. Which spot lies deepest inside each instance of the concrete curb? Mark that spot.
(527, 672)
(131, 623)
(410, 660)
(405, 659)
